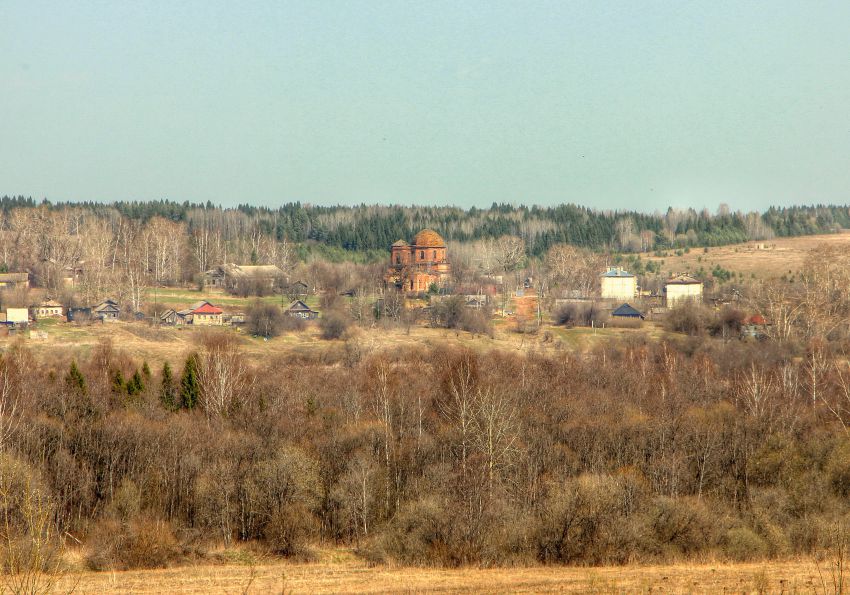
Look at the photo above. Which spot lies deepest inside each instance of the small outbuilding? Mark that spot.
(16, 316)
(627, 311)
(79, 314)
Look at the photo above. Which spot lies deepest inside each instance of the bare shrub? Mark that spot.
(264, 319)
(580, 523)
(333, 325)
(742, 544)
(142, 542)
(422, 533)
(580, 314)
(681, 526)
(31, 549)
(687, 318)
(453, 313)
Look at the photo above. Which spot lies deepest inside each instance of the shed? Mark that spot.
(79, 314)
(627, 311)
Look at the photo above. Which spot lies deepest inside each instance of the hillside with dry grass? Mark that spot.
(767, 259)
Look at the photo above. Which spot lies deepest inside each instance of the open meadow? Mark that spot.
(339, 571)
(766, 259)
(157, 344)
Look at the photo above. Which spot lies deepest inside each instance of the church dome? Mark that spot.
(428, 238)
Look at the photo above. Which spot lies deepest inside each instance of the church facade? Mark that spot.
(414, 267)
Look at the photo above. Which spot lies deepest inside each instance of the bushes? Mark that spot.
(742, 545)
(142, 542)
(583, 522)
(838, 469)
(578, 314)
(333, 325)
(453, 313)
(687, 318)
(264, 319)
(422, 533)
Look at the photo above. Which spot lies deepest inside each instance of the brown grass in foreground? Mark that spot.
(342, 573)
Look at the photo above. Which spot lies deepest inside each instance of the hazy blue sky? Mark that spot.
(609, 104)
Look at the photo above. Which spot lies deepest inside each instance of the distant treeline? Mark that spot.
(364, 228)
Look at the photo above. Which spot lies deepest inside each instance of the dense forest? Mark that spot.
(371, 228)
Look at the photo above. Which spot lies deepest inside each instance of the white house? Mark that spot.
(48, 309)
(682, 288)
(617, 284)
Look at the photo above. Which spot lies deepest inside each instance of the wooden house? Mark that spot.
(235, 276)
(299, 309)
(207, 315)
(107, 311)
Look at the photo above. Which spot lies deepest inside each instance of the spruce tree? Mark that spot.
(118, 384)
(135, 384)
(190, 386)
(75, 380)
(146, 370)
(168, 390)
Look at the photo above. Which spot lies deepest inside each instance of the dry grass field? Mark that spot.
(339, 571)
(764, 260)
(159, 344)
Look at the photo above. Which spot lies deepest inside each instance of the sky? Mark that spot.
(612, 105)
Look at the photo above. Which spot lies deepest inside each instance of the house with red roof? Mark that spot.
(206, 314)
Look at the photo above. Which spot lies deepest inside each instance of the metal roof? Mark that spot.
(616, 272)
(627, 311)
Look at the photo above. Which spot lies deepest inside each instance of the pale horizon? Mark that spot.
(606, 105)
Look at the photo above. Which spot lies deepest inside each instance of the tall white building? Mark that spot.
(682, 288)
(617, 284)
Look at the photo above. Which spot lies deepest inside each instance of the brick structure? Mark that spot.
(415, 266)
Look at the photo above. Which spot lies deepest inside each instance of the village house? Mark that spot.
(173, 318)
(617, 284)
(682, 288)
(48, 309)
(299, 309)
(206, 315)
(236, 277)
(107, 311)
(415, 267)
(297, 289)
(14, 280)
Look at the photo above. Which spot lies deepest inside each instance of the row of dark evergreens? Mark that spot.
(363, 228)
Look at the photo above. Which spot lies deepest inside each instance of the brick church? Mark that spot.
(417, 265)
